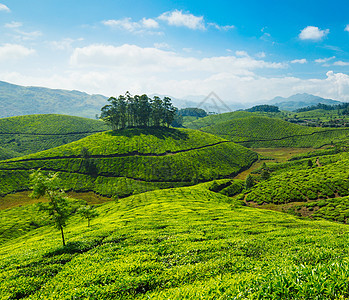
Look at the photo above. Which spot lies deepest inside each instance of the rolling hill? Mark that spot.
(258, 132)
(182, 243)
(28, 134)
(216, 119)
(119, 163)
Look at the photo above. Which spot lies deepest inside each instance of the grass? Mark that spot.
(282, 154)
(184, 243)
(32, 133)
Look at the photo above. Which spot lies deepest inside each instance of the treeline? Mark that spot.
(192, 112)
(344, 106)
(138, 111)
(264, 108)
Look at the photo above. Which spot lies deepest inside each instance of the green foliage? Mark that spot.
(184, 243)
(88, 212)
(292, 183)
(138, 111)
(57, 207)
(249, 183)
(264, 108)
(265, 174)
(193, 112)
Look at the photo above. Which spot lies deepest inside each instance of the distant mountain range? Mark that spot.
(16, 100)
(300, 100)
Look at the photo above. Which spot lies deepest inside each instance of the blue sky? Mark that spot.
(242, 50)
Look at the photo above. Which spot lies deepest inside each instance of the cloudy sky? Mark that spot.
(243, 51)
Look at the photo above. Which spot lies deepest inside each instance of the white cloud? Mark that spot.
(20, 34)
(313, 33)
(64, 44)
(162, 46)
(131, 57)
(149, 23)
(241, 53)
(346, 28)
(14, 52)
(13, 24)
(324, 60)
(299, 61)
(135, 27)
(25, 35)
(3, 7)
(341, 63)
(221, 27)
(261, 55)
(180, 19)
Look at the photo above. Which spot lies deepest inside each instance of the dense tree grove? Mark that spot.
(193, 112)
(264, 108)
(343, 106)
(138, 111)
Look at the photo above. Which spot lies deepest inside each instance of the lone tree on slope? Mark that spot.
(58, 206)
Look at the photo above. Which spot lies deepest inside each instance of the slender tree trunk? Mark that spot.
(88, 222)
(62, 236)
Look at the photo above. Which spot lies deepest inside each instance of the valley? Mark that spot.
(239, 205)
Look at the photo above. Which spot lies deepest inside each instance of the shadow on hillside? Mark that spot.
(159, 132)
(71, 248)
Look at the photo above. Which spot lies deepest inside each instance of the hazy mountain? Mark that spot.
(210, 103)
(300, 100)
(18, 100)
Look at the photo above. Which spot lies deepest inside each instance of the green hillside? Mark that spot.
(183, 243)
(28, 134)
(215, 119)
(6, 153)
(260, 132)
(132, 161)
(296, 181)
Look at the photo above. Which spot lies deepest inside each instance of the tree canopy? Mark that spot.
(138, 111)
(193, 112)
(264, 108)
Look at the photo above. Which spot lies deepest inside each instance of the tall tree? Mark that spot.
(169, 111)
(144, 111)
(157, 111)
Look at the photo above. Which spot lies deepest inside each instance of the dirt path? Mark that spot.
(243, 175)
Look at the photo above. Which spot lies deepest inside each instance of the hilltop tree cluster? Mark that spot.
(264, 108)
(138, 111)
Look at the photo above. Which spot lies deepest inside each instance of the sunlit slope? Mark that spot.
(32, 133)
(215, 119)
(298, 182)
(184, 243)
(132, 161)
(272, 132)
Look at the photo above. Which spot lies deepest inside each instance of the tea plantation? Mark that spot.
(119, 163)
(177, 225)
(258, 132)
(183, 243)
(32, 133)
